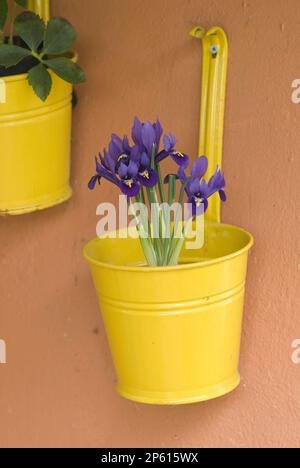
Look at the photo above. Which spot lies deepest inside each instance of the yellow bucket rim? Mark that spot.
(24, 76)
(188, 266)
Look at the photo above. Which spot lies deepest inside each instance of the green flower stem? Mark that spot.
(146, 243)
(171, 193)
(153, 156)
(171, 197)
(142, 195)
(160, 184)
(145, 220)
(166, 217)
(157, 241)
(174, 238)
(153, 203)
(159, 220)
(174, 259)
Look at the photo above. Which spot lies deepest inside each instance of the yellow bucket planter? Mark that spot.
(35, 146)
(174, 332)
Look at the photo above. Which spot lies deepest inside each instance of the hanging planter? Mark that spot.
(37, 73)
(174, 332)
(174, 322)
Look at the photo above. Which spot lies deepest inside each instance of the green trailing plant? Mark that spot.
(49, 46)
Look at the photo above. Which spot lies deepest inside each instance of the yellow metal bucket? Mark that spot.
(174, 332)
(35, 146)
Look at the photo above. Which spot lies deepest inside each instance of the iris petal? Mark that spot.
(110, 162)
(148, 178)
(93, 181)
(198, 206)
(199, 167)
(223, 195)
(122, 171)
(181, 159)
(132, 169)
(161, 156)
(126, 145)
(114, 151)
(158, 133)
(217, 181)
(135, 154)
(130, 188)
(204, 189)
(169, 142)
(148, 137)
(145, 160)
(137, 132)
(194, 187)
(117, 142)
(98, 165)
(181, 174)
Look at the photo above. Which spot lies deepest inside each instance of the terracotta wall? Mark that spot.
(57, 388)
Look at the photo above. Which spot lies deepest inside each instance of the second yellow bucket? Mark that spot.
(35, 141)
(35, 146)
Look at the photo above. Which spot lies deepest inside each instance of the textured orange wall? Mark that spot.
(57, 388)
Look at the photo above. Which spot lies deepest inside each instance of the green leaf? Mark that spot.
(67, 70)
(31, 29)
(3, 14)
(21, 3)
(11, 55)
(40, 80)
(59, 37)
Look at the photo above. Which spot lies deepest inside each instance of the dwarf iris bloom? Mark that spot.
(198, 190)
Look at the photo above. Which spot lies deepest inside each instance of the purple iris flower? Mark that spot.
(120, 165)
(181, 159)
(198, 189)
(118, 151)
(147, 136)
(126, 167)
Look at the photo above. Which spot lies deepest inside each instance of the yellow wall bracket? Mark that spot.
(40, 7)
(214, 75)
